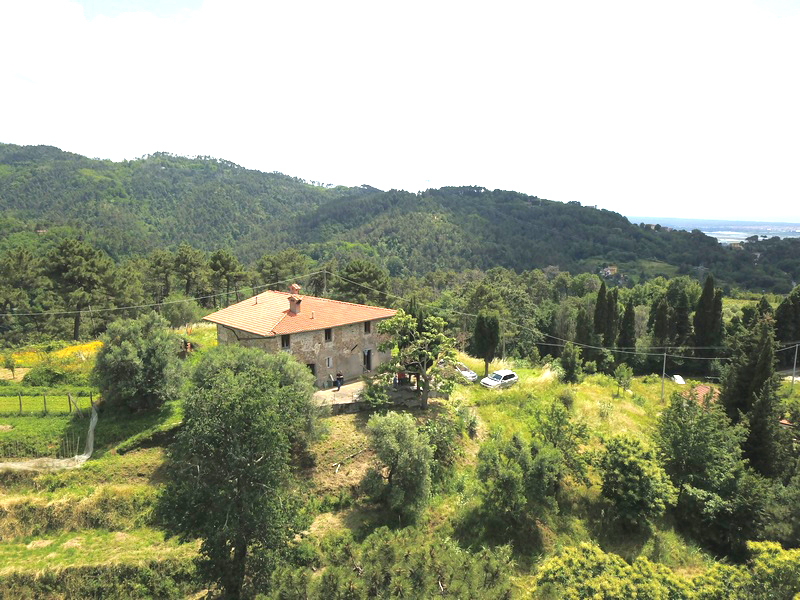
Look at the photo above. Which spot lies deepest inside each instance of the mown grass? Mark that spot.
(32, 405)
(38, 435)
(89, 547)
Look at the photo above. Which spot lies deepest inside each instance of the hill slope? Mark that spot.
(131, 207)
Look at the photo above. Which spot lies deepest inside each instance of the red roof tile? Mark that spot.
(268, 314)
(702, 391)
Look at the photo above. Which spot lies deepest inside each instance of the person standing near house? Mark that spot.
(339, 380)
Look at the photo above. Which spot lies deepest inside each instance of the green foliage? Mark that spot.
(485, 338)
(406, 454)
(228, 481)
(571, 363)
(410, 563)
(585, 571)
(164, 578)
(444, 433)
(179, 311)
(720, 501)
(300, 414)
(362, 282)
(623, 375)
(421, 349)
(634, 484)
(136, 367)
(771, 572)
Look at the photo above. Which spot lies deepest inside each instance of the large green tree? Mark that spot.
(363, 282)
(405, 456)
(634, 484)
(137, 366)
(229, 481)
(708, 319)
(423, 351)
(720, 500)
(78, 272)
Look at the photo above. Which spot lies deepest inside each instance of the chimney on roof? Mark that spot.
(294, 299)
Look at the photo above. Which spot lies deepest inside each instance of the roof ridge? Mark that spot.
(329, 300)
(278, 322)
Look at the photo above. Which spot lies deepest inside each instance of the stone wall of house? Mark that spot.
(345, 350)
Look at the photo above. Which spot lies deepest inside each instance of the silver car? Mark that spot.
(498, 379)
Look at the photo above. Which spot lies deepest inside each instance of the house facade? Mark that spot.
(326, 335)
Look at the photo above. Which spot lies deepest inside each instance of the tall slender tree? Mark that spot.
(485, 338)
(627, 332)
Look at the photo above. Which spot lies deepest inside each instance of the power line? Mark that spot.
(181, 301)
(625, 350)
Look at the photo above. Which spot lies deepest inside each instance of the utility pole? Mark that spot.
(794, 370)
(663, 376)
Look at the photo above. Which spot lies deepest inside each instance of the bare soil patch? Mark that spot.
(4, 427)
(73, 543)
(19, 372)
(39, 544)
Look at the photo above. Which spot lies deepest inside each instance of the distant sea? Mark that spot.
(727, 232)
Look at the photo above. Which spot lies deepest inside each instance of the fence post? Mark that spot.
(69, 401)
(19, 394)
(45, 403)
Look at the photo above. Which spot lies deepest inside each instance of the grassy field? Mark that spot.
(34, 405)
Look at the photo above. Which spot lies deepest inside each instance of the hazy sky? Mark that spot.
(680, 108)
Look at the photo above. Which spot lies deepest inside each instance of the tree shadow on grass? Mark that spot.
(477, 528)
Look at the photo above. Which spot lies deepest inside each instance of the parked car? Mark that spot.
(498, 379)
(466, 373)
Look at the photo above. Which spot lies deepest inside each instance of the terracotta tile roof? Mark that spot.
(701, 391)
(268, 314)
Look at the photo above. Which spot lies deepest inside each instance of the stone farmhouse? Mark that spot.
(328, 336)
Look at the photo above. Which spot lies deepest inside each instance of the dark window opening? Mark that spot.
(313, 369)
(285, 341)
(328, 334)
(367, 326)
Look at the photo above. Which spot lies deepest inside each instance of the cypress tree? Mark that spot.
(600, 311)
(683, 327)
(612, 318)
(486, 337)
(752, 367)
(583, 328)
(627, 332)
(708, 318)
(661, 324)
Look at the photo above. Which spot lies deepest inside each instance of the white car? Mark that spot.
(466, 373)
(498, 379)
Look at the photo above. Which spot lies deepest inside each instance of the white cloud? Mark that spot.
(686, 108)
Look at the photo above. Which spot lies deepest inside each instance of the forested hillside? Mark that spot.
(133, 207)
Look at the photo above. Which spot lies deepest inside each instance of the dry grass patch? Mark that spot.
(333, 470)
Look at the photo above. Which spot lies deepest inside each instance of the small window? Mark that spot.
(285, 341)
(328, 334)
(329, 362)
(367, 327)
(313, 369)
